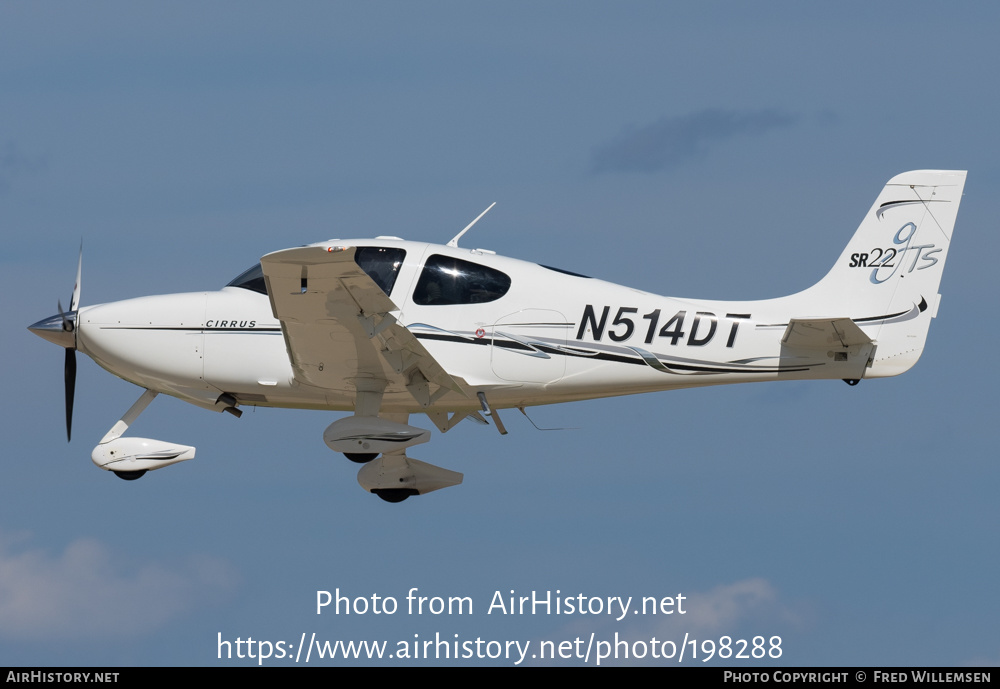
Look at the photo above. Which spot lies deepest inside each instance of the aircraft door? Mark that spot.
(526, 346)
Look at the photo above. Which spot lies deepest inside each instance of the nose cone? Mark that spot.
(53, 329)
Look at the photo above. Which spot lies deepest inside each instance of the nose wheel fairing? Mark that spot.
(130, 458)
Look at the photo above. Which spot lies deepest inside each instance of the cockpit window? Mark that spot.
(446, 280)
(251, 279)
(382, 264)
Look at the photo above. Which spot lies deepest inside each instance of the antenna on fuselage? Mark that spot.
(454, 242)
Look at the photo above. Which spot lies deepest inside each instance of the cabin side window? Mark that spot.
(445, 280)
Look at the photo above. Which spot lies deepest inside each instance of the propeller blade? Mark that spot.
(74, 302)
(69, 374)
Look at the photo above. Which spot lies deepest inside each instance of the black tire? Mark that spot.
(361, 457)
(394, 494)
(130, 475)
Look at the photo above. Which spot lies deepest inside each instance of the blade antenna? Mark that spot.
(454, 241)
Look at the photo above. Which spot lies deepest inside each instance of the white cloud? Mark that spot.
(983, 661)
(741, 610)
(87, 590)
(728, 605)
(721, 611)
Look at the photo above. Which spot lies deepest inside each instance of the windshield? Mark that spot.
(251, 279)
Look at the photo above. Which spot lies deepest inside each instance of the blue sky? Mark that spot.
(714, 150)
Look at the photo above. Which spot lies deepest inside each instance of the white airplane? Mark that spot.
(387, 328)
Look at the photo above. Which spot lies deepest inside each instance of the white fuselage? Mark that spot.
(552, 337)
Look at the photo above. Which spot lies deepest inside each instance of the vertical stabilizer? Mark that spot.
(887, 278)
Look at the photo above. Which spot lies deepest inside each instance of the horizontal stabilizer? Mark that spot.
(823, 333)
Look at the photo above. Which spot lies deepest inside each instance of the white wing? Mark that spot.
(340, 332)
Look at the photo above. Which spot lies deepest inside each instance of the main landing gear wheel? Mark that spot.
(361, 457)
(130, 475)
(394, 494)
